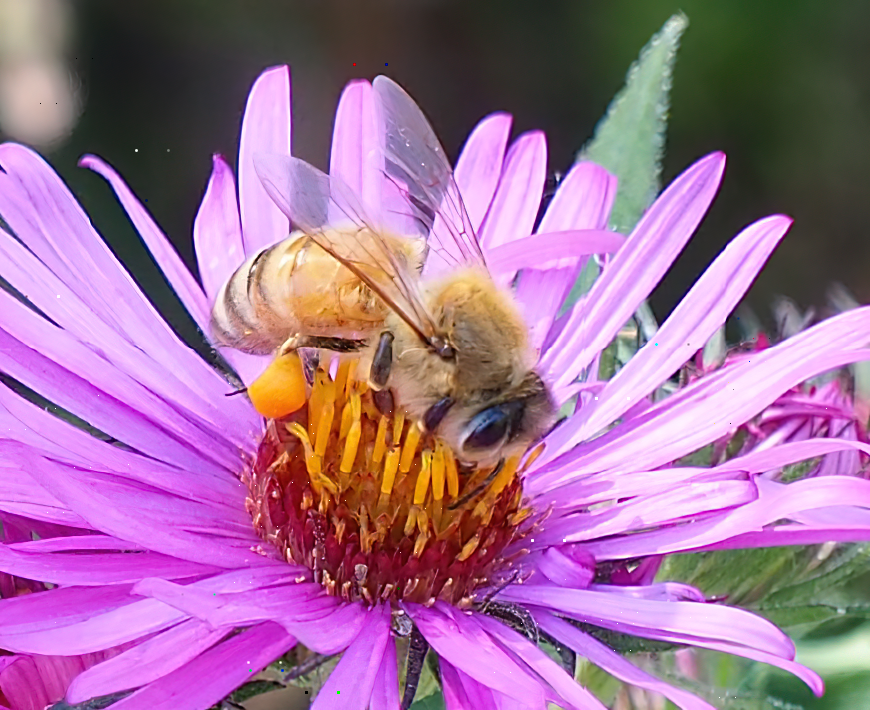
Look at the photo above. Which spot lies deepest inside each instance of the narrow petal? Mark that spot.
(96, 569)
(776, 502)
(217, 231)
(385, 694)
(518, 196)
(146, 662)
(213, 675)
(570, 692)
(462, 692)
(173, 268)
(650, 250)
(583, 199)
(452, 634)
(265, 129)
(550, 250)
(75, 277)
(708, 409)
(692, 323)
(356, 158)
(614, 664)
(689, 621)
(36, 682)
(645, 512)
(351, 682)
(217, 240)
(480, 164)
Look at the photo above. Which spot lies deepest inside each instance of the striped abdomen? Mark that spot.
(292, 288)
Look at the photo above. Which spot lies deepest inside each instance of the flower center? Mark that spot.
(374, 506)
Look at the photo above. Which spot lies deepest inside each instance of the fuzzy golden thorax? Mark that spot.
(492, 362)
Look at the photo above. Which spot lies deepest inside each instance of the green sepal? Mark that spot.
(630, 139)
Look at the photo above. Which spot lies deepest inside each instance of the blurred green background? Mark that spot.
(783, 86)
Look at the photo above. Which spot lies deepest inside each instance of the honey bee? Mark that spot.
(452, 352)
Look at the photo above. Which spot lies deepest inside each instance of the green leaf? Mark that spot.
(435, 701)
(629, 141)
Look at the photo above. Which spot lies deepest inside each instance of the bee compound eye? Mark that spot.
(491, 426)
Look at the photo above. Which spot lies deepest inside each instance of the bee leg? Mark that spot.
(382, 362)
(384, 402)
(338, 345)
(433, 416)
(483, 484)
(418, 647)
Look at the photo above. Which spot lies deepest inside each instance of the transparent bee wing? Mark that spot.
(328, 211)
(415, 162)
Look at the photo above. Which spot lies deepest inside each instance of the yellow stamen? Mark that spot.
(504, 476)
(422, 521)
(312, 461)
(280, 390)
(410, 448)
(411, 520)
(346, 420)
(519, 516)
(398, 423)
(532, 457)
(452, 473)
(391, 466)
(469, 547)
(315, 402)
(422, 486)
(380, 441)
(350, 447)
(324, 427)
(351, 373)
(438, 472)
(341, 375)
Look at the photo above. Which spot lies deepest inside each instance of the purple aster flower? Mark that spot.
(207, 542)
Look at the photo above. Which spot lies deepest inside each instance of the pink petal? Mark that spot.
(480, 164)
(351, 682)
(653, 245)
(146, 662)
(714, 405)
(518, 196)
(85, 338)
(265, 129)
(96, 569)
(571, 693)
(453, 635)
(35, 682)
(217, 239)
(462, 692)
(583, 199)
(217, 231)
(692, 323)
(614, 664)
(561, 569)
(776, 501)
(356, 158)
(385, 694)
(550, 250)
(689, 621)
(213, 675)
(76, 277)
(645, 512)
(128, 512)
(173, 268)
